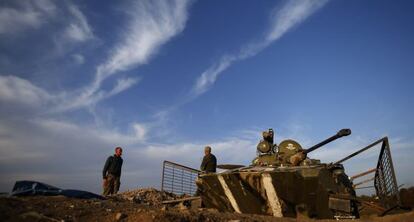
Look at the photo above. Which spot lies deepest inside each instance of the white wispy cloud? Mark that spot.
(208, 77)
(122, 84)
(78, 58)
(21, 92)
(59, 22)
(136, 134)
(16, 90)
(25, 15)
(283, 19)
(152, 24)
(78, 29)
(75, 101)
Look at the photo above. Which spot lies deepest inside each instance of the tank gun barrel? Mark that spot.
(339, 134)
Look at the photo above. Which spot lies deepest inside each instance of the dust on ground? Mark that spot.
(136, 205)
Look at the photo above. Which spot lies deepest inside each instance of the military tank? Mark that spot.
(282, 181)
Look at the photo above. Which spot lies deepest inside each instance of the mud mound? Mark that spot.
(148, 196)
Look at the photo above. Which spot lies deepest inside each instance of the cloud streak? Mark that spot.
(78, 29)
(19, 91)
(25, 15)
(283, 20)
(152, 24)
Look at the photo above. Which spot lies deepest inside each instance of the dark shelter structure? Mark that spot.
(34, 188)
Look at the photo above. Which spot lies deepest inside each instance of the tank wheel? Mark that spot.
(344, 215)
(355, 209)
(302, 211)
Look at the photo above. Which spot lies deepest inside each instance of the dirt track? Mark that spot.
(140, 205)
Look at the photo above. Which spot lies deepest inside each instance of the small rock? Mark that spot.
(120, 216)
(212, 210)
(108, 210)
(72, 206)
(182, 206)
(35, 216)
(31, 215)
(164, 208)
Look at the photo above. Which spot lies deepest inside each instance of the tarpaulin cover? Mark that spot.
(32, 188)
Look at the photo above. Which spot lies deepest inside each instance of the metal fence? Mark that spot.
(385, 181)
(178, 179)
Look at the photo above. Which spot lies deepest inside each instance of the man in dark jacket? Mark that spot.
(112, 173)
(209, 163)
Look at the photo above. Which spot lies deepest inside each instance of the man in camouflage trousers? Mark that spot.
(112, 173)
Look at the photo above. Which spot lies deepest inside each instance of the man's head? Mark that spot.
(207, 150)
(268, 135)
(118, 151)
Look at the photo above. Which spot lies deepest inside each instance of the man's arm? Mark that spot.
(203, 164)
(214, 163)
(107, 163)
(120, 169)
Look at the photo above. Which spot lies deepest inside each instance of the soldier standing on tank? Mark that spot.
(209, 163)
(112, 173)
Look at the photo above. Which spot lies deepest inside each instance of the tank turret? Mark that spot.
(290, 152)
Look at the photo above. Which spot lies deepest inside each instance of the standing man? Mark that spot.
(209, 163)
(112, 173)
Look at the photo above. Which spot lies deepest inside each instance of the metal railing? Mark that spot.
(178, 179)
(385, 181)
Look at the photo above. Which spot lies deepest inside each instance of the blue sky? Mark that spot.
(165, 78)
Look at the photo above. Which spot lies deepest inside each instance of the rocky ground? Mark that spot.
(136, 205)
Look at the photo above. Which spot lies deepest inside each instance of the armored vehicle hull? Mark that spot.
(280, 191)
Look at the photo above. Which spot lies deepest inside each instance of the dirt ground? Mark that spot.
(137, 205)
